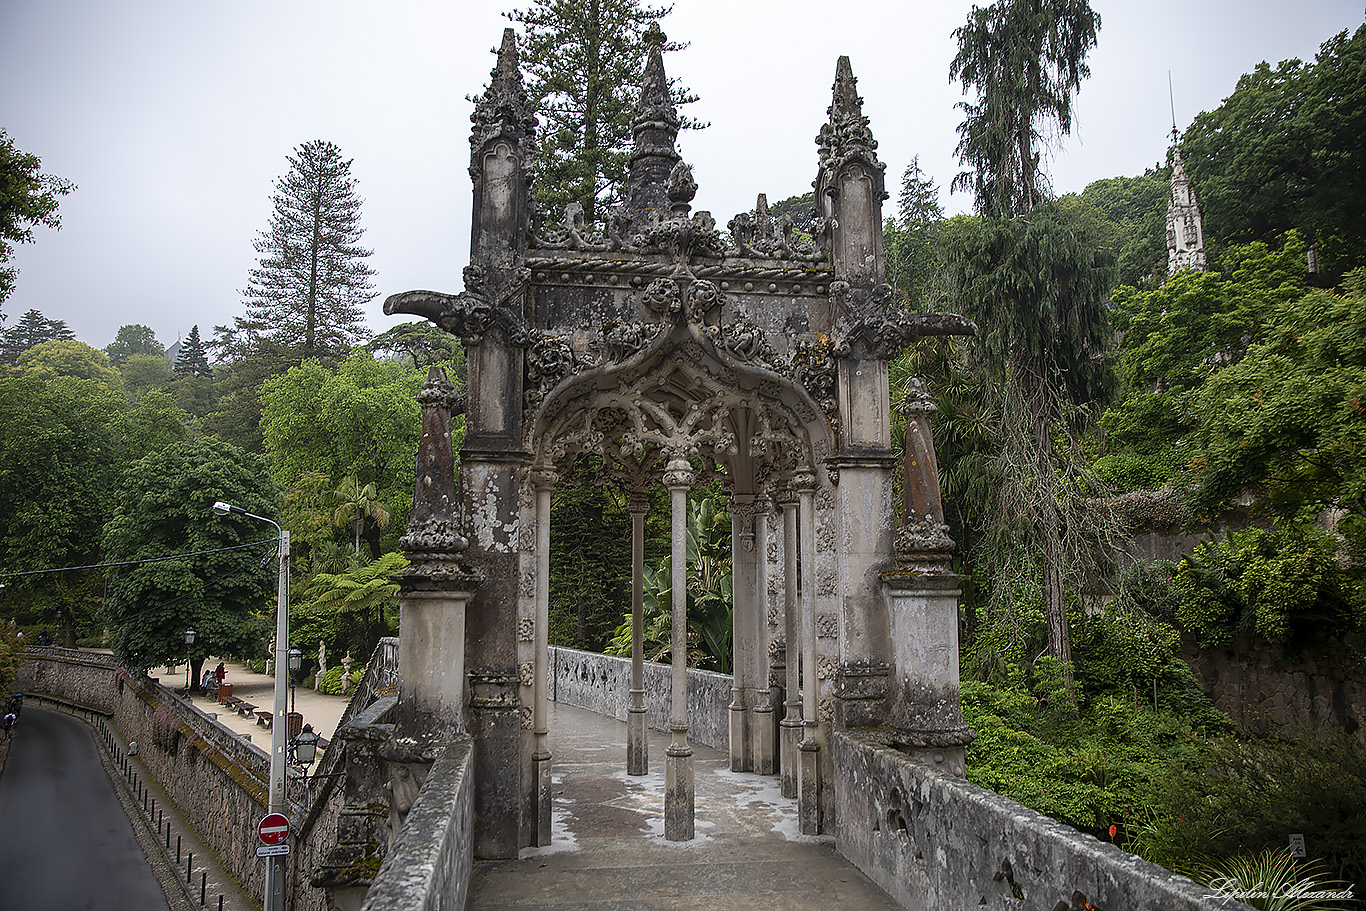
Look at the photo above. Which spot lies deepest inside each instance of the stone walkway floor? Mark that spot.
(609, 852)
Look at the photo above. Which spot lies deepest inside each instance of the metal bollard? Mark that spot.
(203, 882)
(177, 847)
(189, 862)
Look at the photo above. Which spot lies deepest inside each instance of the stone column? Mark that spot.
(436, 588)
(792, 720)
(544, 481)
(637, 738)
(762, 759)
(922, 604)
(745, 601)
(808, 758)
(678, 767)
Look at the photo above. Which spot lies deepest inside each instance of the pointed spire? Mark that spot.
(846, 134)
(503, 109)
(655, 129)
(1185, 228)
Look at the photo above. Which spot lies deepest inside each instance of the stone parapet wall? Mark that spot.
(428, 865)
(934, 842)
(602, 684)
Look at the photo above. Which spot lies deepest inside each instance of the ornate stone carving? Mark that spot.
(503, 111)
(527, 584)
(526, 673)
(846, 135)
(469, 314)
(681, 187)
(866, 321)
(622, 339)
(827, 626)
(661, 297)
(549, 359)
(746, 342)
(812, 366)
(774, 616)
(703, 298)
(526, 629)
(760, 234)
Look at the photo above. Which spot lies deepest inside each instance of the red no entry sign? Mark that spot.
(274, 829)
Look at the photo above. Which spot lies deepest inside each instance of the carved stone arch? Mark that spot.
(683, 393)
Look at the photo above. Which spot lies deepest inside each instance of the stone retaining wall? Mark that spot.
(216, 779)
(934, 842)
(602, 684)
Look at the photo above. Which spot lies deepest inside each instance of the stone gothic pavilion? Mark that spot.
(654, 349)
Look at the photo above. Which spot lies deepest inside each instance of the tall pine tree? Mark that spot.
(32, 329)
(192, 359)
(1035, 281)
(584, 60)
(311, 279)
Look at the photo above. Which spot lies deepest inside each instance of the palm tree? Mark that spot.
(356, 504)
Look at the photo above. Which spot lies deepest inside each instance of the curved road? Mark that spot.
(65, 842)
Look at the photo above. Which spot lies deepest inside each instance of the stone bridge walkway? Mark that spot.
(609, 851)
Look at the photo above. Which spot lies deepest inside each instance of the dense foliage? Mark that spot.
(584, 63)
(213, 586)
(28, 199)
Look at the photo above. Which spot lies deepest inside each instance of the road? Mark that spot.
(65, 841)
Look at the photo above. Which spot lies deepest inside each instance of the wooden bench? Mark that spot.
(231, 702)
(245, 708)
(264, 718)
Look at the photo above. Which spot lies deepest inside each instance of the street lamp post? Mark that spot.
(189, 641)
(275, 879)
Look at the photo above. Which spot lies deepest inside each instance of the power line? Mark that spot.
(197, 553)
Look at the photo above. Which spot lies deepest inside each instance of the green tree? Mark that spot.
(134, 338)
(1175, 338)
(1285, 150)
(28, 199)
(359, 419)
(192, 359)
(143, 373)
(311, 278)
(60, 458)
(32, 329)
(1138, 206)
(910, 240)
(69, 358)
(334, 603)
(1025, 59)
(164, 509)
(1286, 422)
(418, 344)
(584, 63)
(1032, 277)
(356, 504)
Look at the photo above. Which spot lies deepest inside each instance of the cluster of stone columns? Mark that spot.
(755, 743)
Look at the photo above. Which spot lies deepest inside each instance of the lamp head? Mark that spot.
(189, 636)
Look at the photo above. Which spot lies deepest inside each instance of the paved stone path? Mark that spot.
(609, 851)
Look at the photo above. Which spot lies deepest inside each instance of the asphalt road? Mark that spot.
(65, 842)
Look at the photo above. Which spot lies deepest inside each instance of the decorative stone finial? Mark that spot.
(846, 135)
(503, 110)
(681, 187)
(655, 131)
(434, 529)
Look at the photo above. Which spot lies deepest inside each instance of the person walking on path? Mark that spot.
(219, 673)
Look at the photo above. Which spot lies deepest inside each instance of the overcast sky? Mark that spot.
(174, 118)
